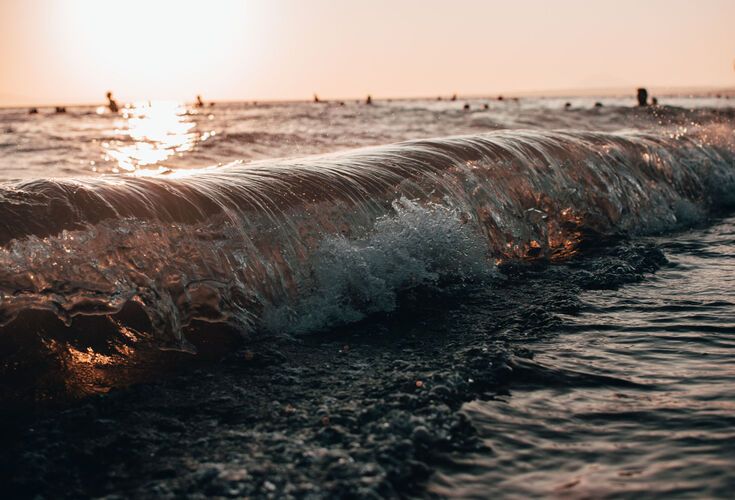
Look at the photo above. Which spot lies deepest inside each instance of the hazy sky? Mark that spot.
(72, 51)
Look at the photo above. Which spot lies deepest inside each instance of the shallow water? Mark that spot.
(518, 227)
(662, 420)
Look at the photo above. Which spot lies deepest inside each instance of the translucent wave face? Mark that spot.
(298, 245)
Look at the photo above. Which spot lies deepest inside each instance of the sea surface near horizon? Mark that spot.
(160, 136)
(630, 393)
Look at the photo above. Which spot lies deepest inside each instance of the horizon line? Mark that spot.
(617, 91)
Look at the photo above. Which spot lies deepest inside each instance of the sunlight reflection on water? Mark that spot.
(149, 133)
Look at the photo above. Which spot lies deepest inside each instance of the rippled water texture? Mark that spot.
(633, 395)
(152, 137)
(169, 229)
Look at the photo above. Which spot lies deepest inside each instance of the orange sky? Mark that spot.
(72, 51)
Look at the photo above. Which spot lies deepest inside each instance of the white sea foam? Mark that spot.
(416, 246)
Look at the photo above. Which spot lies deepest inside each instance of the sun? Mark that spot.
(158, 48)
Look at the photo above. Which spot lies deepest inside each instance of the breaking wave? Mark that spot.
(296, 245)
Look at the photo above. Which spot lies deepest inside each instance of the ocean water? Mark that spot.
(151, 136)
(633, 397)
(126, 236)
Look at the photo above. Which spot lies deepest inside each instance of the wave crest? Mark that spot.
(296, 245)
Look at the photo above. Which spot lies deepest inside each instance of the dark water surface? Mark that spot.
(606, 376)
(635, 394)
(521, 301)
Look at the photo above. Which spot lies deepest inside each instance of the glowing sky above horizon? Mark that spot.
(72, 51)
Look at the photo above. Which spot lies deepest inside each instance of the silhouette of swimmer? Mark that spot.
(369, 100)
(454, 97)
(642, 97)
(654, 101)
(111, 104)
(466, 106)
(567, 105)
(316, 98)
(33, 111)
(598, 104)
(60, 109)
(199, 103)
(486, 106)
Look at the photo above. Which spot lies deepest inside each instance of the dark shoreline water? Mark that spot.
(644, 404)
(376, 409)
(466, 316)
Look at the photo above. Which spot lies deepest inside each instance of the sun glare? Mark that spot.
(157, 49)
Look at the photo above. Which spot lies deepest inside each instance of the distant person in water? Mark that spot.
(60, 109)
(111, 104)
(454, 97)
(642, 97)
(369, 100)
(33, 111)
(316, 98)
(199, 103)
(654, 101)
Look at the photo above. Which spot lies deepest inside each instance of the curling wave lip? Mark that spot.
(296, 245)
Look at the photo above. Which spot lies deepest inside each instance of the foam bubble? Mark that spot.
(418, 246)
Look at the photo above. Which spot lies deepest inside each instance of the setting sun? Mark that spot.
(159, 49)
(169, 42)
